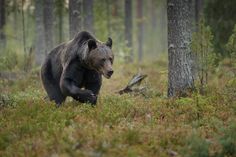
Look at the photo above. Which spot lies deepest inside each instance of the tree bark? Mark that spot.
(75, 10)
(180, 24)
(88, 15)
(48, 23)
(40, 37)
(128, 26)
(2, 24)
(140, 28)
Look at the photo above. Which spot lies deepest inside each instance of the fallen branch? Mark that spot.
(135, 81)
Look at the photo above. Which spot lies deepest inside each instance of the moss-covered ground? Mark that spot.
(121, 125)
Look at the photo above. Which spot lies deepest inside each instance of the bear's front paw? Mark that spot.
(88, 97)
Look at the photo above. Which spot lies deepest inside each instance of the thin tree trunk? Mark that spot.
(48, 23)
(180, 21)
(15, 16)
(153, 14)
(40, 37)
(75, 18)
(60, 19)
(2, 24)
(153, 29)
(198, 9)
(163, 26)
(88, 15)
(140, 28)
(108, 17)
(23, 29)
(115, 8)
(28, 21)
(128, 26)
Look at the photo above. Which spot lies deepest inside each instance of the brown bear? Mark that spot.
(75, 69)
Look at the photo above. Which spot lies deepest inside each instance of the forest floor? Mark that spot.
(121, 125)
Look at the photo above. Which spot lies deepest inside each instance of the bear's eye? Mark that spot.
(111, 60)
(103, 60)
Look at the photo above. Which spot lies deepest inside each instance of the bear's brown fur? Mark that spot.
(77, 64)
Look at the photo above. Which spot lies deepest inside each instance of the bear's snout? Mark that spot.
(109, 73)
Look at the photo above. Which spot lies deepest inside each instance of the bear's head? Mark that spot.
(100, 57)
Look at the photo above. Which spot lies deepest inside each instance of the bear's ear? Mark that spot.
(92, 44)
(109, 42)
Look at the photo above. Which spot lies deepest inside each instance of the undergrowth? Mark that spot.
(120, 125)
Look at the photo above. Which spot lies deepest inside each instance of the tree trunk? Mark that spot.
(180, 23)
(88, 15)
(152, 33)
(140, 28)
(40, 38)
(60, 6)
(128, 25)
(153, 15)
(15, 9)
(48, 24)
(75, 10)
(198, 9)
(23, 28)
(115, 7)
(2, 24)
(108, 17)
(163, 26)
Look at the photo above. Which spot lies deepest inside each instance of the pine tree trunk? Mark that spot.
(75, 10)
(115, 7)
(153, 29)
(128, 25)
(108, 17)
(140, 28)
(180, 21)
(23, 28)
(88, 15)
(163, 26)
(198, 9)
(48, 24)
(60, 19)
(153, 15)
(15, 7)
(40, 37)
(2, 24)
